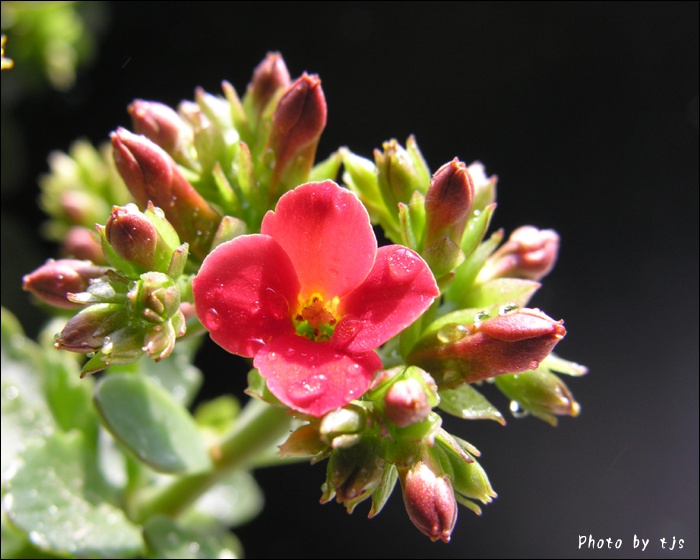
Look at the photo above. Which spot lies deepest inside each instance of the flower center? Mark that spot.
(316, 320)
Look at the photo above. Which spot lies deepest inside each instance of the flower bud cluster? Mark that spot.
(124, 320)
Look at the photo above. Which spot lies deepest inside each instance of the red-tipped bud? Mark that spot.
(513, 342)
(269, 77)
(143, 238)
(529, 253)
(82, 243)
(151, 175)
(448, 202)
(406, 402)
(53, 281)
(297, 124)
(159, 123)
(429, 500)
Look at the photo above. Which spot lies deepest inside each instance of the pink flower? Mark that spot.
(311, 297)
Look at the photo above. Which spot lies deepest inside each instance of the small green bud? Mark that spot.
(539, 392)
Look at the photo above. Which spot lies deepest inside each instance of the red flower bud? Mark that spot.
(297, 124)
(510, 343)
(406, 403)
(53, 281)
(448, 202)
(429, 501)
(529, 253)
(82, 243)
(269, 77)
(159, 123)
(151, 174)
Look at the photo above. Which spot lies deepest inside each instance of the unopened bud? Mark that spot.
(53, 281)
(160, 124)
(541, 393)
(87, 330)
(529, 253)
(152, 175)
(270, 76)
(448, 203)
(484, 186)
(142, 238)
(297, 124)
(429, 500)
(398, 176)
(82, 243)
(406, 403)
(510, 343)
(353, 474)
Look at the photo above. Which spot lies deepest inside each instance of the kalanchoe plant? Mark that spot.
(355, 350)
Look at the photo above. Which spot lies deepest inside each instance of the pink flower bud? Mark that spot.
(151, 175)
(53, 281)
(510, 343)
(269, 77)
(297, 124)
(448, 202)
(159, 123)
(529, 253)
(81, 243)
(406, 403)
(429, 501)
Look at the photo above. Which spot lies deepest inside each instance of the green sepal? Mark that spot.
(326, 169)
(468, 403)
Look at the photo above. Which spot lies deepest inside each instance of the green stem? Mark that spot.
(257, 428)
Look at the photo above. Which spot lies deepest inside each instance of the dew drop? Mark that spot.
(452, 333)
(212, 319)
(303, 392)
(10, 393)
(403, 265)
(107, 345)
(53, 510)
(480, 317)
(517, 411)
(193, 547)
(507, 308)
(276, 304)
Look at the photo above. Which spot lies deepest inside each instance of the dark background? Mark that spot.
(587, 112)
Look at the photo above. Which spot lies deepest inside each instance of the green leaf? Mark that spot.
(176, 374)
(151, 424)
(26, 415)
(55, 498)
(166, 539)
(236, 500)
(468, 403)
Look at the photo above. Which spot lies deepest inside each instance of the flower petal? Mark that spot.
(326, 232)
(314, 377)
(244, 293)
(398, 289)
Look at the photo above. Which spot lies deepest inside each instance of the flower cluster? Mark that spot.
(231, 228)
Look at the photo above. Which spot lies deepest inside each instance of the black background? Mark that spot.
(587, 112)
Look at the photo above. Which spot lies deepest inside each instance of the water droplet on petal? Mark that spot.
(276, 304)
(452, 333)
(403, 264)
(507, 308)
(304, 392)
(107, 345)
(212, 321)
